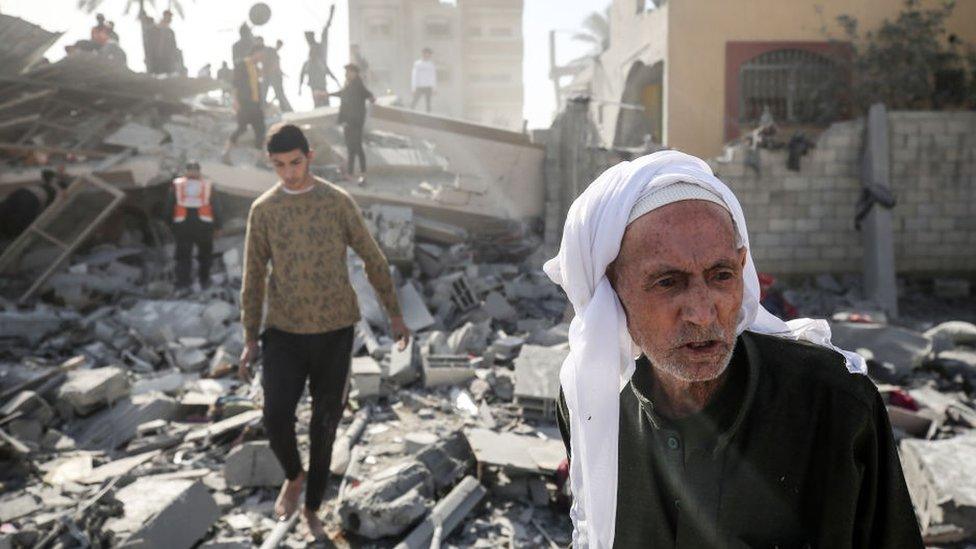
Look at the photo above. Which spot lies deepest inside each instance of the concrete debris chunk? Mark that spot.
(402, 366)
(114, 427)
(366, 376)
(947, 335)
(415, 313)
(441, 370)
(902, 348)
(516, 453)
(941, 477)
(389, 504)
(153, 506)
(446, 515)
(537, 380)
(253, 464)
(87, 390)
(498, 307)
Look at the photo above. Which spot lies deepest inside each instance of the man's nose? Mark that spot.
(698, 307)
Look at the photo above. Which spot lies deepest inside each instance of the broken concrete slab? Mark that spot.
(118, 467)
(117, 425)
(16, 507)
(87, 390)
(31, 327)
(153, 506)
(416, 441)
(947, 335)
(253, 464)
(902, 348)
(170, 383)
(537, 380)
(224, 426)
(941, 477)
(516, 453)
(415, 313)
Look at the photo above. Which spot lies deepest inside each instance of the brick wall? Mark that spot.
(803, 222)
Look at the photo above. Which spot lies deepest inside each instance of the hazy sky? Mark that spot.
(210, 27)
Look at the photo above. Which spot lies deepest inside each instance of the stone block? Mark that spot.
(87, 390)
(160, 513)
(388, 504)
(253, 464)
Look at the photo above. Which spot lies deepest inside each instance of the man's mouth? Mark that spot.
(702, 347)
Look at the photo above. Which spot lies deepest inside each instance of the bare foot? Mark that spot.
(291, 491)
(316, 528)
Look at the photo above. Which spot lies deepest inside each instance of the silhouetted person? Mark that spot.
(316, 68)
(248, 100)
(352, 117)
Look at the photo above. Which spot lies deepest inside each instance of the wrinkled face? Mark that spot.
(679, 278)
(291, 167)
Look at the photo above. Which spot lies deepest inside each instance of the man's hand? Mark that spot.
(401, 334)
(247, 358)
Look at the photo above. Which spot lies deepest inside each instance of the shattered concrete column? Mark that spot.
(447, 514)
(880, 285)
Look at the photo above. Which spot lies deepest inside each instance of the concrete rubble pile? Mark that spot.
(123, 422)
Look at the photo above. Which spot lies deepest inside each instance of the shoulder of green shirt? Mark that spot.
(815, 367)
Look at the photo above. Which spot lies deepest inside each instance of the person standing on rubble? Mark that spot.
(352, 117)
(423, 78)
(248, 100)
(302, 227)
(271, 68)
(316, 70)
(196, 222)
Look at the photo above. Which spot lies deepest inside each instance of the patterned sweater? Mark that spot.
(304, 238)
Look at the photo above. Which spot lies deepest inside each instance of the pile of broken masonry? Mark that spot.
(122, 420)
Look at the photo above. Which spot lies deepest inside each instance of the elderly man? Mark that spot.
(731, 428)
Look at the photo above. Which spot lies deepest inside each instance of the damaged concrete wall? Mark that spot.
(802, 222)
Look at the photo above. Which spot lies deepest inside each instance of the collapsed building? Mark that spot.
(121, 416)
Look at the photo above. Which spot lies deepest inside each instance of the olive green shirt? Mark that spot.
(791, 451)
(304, 239)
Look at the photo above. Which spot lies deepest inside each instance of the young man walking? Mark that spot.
(352, 116)
(302, 227)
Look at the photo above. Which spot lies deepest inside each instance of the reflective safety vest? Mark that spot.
(192, 193)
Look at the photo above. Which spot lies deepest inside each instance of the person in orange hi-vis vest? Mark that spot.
(196, 221)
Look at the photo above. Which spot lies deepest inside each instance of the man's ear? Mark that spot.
(310, 155)
(743, 254)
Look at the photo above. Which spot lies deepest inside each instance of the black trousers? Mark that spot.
(190, 233)
(354, 146)
(249, 114)
(289, 360)
(426, 92)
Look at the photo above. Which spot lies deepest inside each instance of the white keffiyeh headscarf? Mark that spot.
(596, 369)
